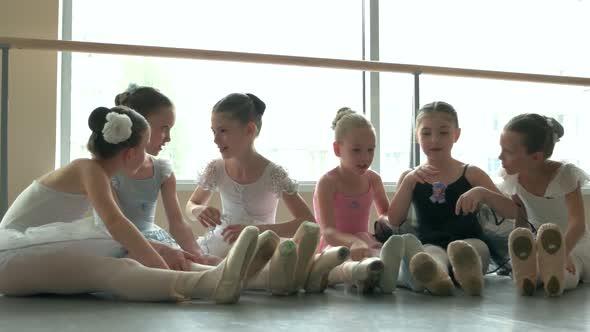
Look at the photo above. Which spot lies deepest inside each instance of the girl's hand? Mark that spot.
(469, 201)
(209, 217)
(178, 260)
(423, 174)
(569, 264)
(521, 215)
(154, 261)
(230, 233)
(359, 250)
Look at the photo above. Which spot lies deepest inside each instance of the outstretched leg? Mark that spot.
(66, 271)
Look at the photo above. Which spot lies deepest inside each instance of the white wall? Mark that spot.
(32, 91)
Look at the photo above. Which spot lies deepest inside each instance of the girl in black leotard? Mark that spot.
(451, 238)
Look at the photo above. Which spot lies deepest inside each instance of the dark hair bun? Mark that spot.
(259, 105)
(97, 119)
(555, 126)
(121, 99)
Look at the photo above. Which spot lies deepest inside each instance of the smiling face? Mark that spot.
(356, 150)
(231, 137)
(161, 122)
(437, 134)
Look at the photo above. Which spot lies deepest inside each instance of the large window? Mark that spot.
(545, 37)
(301, 102)
(485, 106)
(531, 36)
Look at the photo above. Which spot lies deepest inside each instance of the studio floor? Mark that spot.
(339, 309)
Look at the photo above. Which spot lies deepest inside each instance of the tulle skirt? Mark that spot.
(79, 237)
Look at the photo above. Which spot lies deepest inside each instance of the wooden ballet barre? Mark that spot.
(371, 66)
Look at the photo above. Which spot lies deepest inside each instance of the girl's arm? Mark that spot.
(381, 200)
(97, 187)
(576, 219)
(298, 209)
(400, 204)
(485, 191)
(197, 208)
(179, 229)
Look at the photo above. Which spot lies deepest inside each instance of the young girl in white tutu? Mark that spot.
(48, 245)
(549, 194)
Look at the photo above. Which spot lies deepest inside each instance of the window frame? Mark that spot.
(371, 96)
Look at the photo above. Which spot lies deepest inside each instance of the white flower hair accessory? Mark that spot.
(117, 129)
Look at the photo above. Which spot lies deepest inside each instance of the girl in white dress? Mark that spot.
(48, 245)
(548, 193)
(250, 187)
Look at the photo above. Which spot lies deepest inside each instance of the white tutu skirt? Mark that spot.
(80, 237)
(212, 242)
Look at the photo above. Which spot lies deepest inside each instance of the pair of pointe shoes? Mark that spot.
(545, 257)
(382, 272)
(466, 265)
(293, 264)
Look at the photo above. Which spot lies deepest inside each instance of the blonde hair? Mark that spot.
(347, 119)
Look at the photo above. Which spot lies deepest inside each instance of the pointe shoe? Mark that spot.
(523, 254)
(391, 256)
(366, 274)
(428, 274)
(267, 244)
(466, 265)
(235, 266)
(307, 239)
(282, 268)
(323, 263)
(551, 256)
